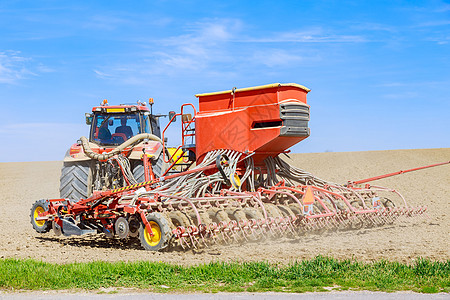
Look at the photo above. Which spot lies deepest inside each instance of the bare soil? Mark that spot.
(23, 183)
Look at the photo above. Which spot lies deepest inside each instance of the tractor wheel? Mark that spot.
(38, 207)
(76, 180)
(158, 168)
(161, 233)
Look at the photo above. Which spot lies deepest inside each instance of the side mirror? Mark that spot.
(88, 118)
(172, 115)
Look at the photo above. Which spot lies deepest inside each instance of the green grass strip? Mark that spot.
(309, 275)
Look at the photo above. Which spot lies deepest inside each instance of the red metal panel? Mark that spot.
(225, 120)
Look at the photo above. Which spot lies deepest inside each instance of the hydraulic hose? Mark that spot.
(142, 136)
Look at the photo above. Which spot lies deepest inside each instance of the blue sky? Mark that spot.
(379, 71)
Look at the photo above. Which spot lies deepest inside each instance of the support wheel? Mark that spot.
(38, 207)
(161, 233)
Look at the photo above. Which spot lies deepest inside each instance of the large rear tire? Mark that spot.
(76, 180)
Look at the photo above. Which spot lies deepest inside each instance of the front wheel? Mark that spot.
(159, 239)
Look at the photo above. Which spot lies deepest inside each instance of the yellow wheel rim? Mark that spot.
(154, 239)
(37, 211)
(235, 180)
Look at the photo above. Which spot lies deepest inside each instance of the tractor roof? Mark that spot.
(122, 108)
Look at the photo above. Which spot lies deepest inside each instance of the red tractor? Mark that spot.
(112, 126)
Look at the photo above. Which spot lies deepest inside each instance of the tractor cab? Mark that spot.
(113, 125)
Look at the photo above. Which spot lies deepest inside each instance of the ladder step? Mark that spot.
(188, 146)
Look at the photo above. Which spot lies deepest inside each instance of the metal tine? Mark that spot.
(299, 226)
(324, 223)
(373, 218)
(307, 225)
(313, 223)
(224, 231)
(261, 227)
(283, 226)
(203, 231)
(190, 231)
(329, 222)
(385, 216)
(274, 225)
(277, 227)
(333, 223)
(233, 232)
(290, 225)
(269, 224)
(346, 220)
(319, 223)
(381, 219)
(212, 228)
(252, 228)
(180, 231)
(239, 231)
(258, 231)
(242, 227)
(338, 220)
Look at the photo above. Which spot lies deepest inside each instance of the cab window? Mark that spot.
(114, 129)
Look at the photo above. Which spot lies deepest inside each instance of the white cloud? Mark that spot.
(105, 22)
(314, 35)
(203, 45)
(374, 27)
(102, 75)
(401, 95)
(44, 69)
(13, 67)
(444, 8)
(434, 23)
(213, 48)
(276, 57)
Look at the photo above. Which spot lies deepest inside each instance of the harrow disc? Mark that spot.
(122, 227)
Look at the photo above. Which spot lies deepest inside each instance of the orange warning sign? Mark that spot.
(308, 197)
